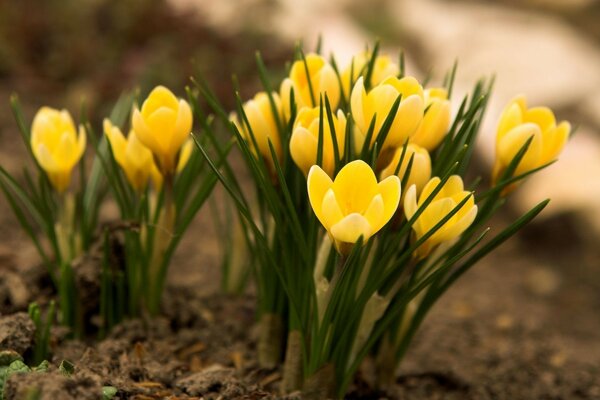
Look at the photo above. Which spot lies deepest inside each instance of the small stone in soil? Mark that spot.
(16, 332)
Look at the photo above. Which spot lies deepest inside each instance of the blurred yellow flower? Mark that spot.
(263, 126)
(322, 79)
(436, 121)
(382, 68)
(377, 104)
(451, 194)
(354, 204)
(134, 158)
(304, 141)
(56, 145)
(517, 124)
(420, 171)
(163, 125)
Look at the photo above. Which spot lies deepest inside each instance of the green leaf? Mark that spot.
(108, 392)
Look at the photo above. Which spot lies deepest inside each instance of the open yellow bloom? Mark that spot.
(353, 205)
(378, 102)
(420, 171)
(517, 124)
(451, 194)
(304, 141)
(134, 158)
(163, 125)
(263, 125)
(436, 121)
(56, 145)
(382, 68)
(323, 80)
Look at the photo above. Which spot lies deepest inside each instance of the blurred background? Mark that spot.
(58, 52)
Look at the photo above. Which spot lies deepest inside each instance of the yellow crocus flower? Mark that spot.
(323, 80)
(263, 125)
(436, 121)
(134, 158)
(354, 204)
(420, 171)
(451, 194)
(382, 68)
(163, 125)
(517, 124)
(56, 145)
(304, 141)
(377, 104)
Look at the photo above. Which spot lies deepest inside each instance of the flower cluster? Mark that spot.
(157, 149)
(381, 160)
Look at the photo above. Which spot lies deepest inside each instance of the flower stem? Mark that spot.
(162, 238)
(292, 368)
(270, 340)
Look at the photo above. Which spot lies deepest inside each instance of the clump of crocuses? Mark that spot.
(364, 216)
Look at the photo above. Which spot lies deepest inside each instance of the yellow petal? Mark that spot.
(185, 154)
(357, 104)
(410, 202)
(349, 229)
(159, 97)
(554, 141)
(183, 127)
(459, 225)
(143, 133)
(161, 123)
(511, 117)
(354, 187)
(81, 142)
(432, 215)
(117, 142)
(318, 183)
(433, 127)
(541, 116)
(453, 185)
(285, 91)
(390, 191)
(429, 188)
(514, 140)
(65, 152)
(406, 122)
(375, 213)
(330, 210)
(303, 149)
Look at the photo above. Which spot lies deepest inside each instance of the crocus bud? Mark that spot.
(263, 126)
(323, 81)
(163, 125)
(56, 145)
(517, 124)
(304, 141)
(383, 67)
(378, 103)
(134, 158)
(420, 170)
(353, 205)
(451, 194)
(436, 121)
